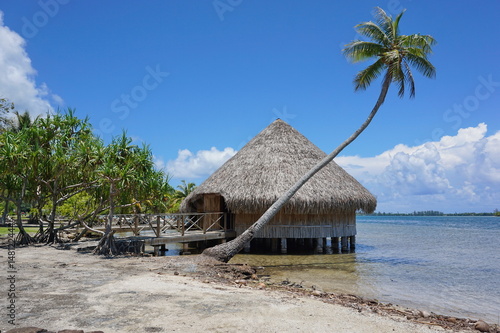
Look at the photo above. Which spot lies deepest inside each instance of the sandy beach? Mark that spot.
(65, 289)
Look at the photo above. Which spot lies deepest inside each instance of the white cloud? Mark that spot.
(17, 76)
(456, 173)
(201, 164)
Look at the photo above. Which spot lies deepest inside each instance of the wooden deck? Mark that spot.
(190, 237)
(157, 230)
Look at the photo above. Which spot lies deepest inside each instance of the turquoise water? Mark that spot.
(448, 265)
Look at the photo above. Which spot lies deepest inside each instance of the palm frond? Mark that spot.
(384, 21)
(422, 42)
(365, 77)
(360, 50)
(422, 65)
(409, 78)
(374, 32)
(395, 26)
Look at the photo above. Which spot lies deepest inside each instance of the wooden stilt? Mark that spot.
(319, 245)
(352, 241)
(156, 251)
(344, 243)
(335, 244)
(283, 246)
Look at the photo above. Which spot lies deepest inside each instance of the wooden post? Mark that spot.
(335, 244)
(283, 246)
(319, 245)
(352, 241)
(158, 226)
(136, 225)
(155, 251)
(344, 243)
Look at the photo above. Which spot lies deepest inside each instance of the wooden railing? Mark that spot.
(180, 222)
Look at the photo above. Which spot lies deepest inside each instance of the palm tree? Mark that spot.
(394, 54)
(176, 198)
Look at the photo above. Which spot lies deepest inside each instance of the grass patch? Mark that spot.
(5, 230)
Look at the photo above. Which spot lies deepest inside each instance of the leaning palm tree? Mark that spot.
(395, 54)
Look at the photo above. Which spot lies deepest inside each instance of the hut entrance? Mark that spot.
(213, 203)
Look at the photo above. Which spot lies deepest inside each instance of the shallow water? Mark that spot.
(449, 265)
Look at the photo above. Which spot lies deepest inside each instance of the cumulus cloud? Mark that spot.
(456, 173)
(199, 164)
(17, 76)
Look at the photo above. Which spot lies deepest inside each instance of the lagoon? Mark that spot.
(448, 265)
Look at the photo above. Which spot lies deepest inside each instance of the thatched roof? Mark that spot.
(270, 164)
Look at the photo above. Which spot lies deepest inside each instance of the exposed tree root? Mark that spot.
(107, 245)
(48, 236)
(23, 238)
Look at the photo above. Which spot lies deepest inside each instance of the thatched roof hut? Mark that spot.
(247, 184)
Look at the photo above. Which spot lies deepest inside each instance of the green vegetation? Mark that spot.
(55, 166)
(6, 230)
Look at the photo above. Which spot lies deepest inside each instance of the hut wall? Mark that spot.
(212, 203)
(300, 225)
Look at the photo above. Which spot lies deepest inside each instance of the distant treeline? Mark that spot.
(432, 213)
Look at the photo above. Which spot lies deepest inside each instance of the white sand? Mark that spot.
(66, 290)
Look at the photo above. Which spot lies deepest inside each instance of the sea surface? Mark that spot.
(447, 265)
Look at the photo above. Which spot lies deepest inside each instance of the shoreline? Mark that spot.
(64, 289)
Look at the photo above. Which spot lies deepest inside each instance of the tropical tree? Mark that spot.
(159, 191)
(22, 121)
(15, 176)
(65, 165)
(125, 169)
(394, 56)
(183, 191)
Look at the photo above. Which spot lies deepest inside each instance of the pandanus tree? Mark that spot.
(125, 169)
(394, 55)
(15, 176)
(62, 162)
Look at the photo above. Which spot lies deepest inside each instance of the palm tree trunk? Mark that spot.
(224, 252)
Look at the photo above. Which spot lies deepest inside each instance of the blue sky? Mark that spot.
(197, 79)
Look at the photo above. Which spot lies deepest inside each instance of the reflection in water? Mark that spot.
(328, 272)
(449, 265)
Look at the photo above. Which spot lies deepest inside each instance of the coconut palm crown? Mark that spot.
(395, 53)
